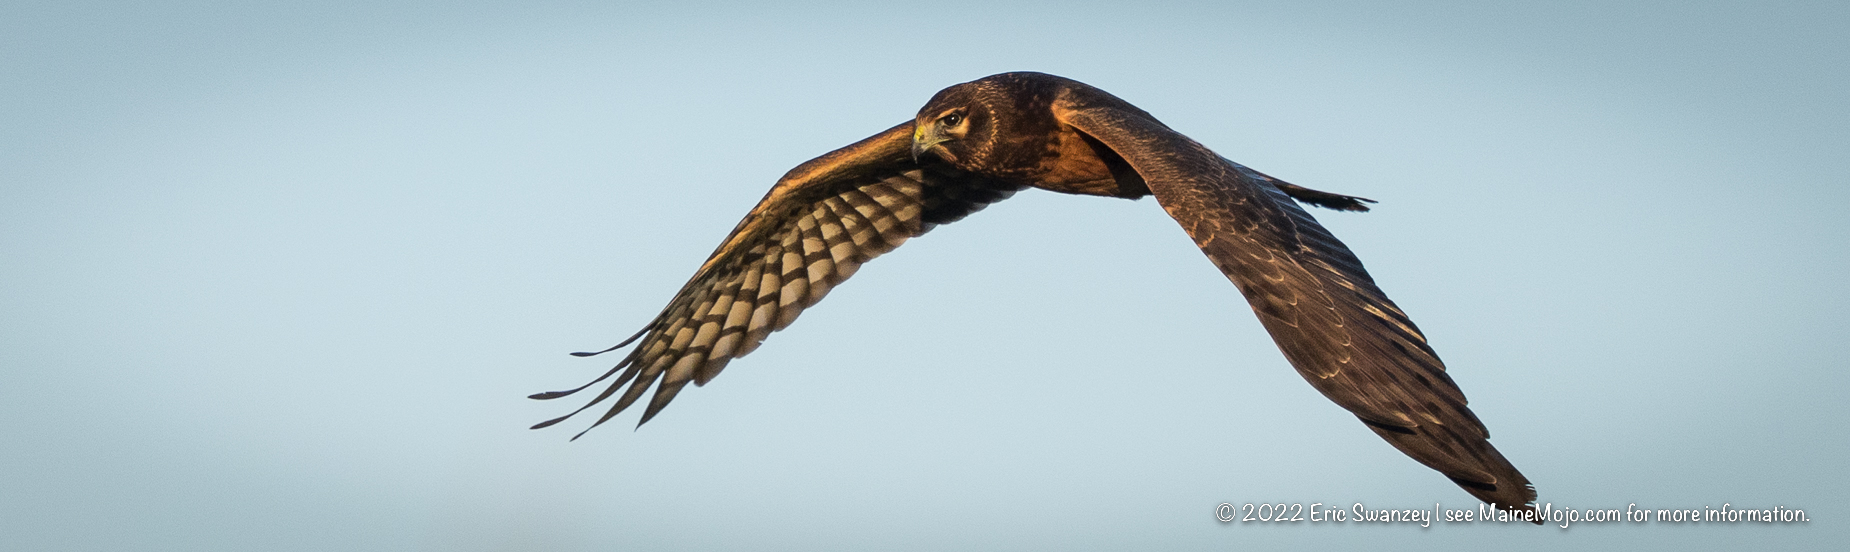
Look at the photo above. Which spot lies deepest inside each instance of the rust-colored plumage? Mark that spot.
(981, 141)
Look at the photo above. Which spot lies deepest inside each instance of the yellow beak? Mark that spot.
(925, 137)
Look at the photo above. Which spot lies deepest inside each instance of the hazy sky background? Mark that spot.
(279, 277)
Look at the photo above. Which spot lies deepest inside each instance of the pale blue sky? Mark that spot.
(279, 277)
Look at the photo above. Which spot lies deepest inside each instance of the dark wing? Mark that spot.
(1338, 329)
(811, 232)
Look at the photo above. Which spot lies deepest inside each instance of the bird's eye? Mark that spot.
(952, 119)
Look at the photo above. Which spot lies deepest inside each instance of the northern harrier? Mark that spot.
(979, 142)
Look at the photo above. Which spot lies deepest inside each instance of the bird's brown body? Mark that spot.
(979, 142)
(1074, 165)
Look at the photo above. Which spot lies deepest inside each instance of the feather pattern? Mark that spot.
(1333, 324)
(815, 228)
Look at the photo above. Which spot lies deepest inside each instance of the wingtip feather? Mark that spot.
(549, 423)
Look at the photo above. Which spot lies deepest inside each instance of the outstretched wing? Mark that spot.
(1338, 329)
(811, 232)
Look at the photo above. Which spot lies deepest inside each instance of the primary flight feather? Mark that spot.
(979, 142)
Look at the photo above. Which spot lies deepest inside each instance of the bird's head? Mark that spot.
(964, 125)
(943, 128)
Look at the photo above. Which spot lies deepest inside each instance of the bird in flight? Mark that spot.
(980, 142)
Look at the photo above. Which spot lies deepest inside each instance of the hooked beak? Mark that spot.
(924, 138)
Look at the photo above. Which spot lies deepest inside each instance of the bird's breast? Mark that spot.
(1074, 163)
